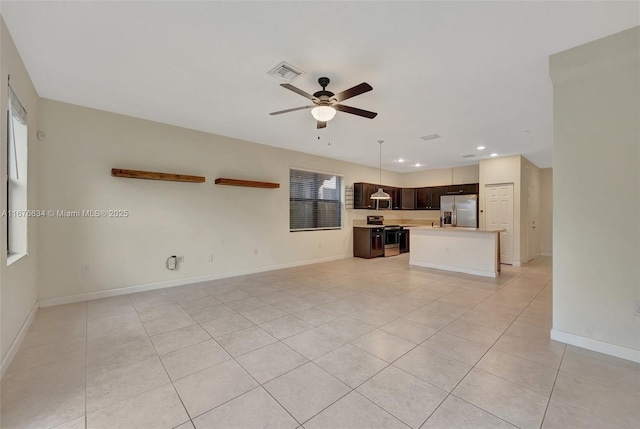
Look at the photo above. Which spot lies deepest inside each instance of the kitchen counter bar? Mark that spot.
(465, 250)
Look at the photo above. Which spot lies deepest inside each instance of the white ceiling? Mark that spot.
(473, 72)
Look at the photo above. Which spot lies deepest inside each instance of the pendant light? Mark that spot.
(380, 194)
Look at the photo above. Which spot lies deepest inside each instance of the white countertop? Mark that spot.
(453, 229)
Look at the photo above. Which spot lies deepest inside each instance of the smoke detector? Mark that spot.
(285, 71)
(431, 137)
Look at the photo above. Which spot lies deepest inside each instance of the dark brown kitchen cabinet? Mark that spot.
(425, 198)
(422, 198)
(396, 198)
(436, 193)
(408, 199)
(362, 195)
(368, 242)
(403, 240)
(385, 204)
(428, 198)
(471, 188)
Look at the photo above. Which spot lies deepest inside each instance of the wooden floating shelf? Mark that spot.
(150, 175)
(247, 183)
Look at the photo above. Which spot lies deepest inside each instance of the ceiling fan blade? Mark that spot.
(355, 111)
(352, 92)
(321, 124)
(298, 91)
(292, 110)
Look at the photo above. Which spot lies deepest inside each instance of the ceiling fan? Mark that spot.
(326, 103)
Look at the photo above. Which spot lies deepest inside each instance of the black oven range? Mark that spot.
(395, 237)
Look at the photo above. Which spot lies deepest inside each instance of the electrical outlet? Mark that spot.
(86, 268)
(181, 258)
(636, 308)
(210, 258)
(255, 251)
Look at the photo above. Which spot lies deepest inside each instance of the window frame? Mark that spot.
(16, 223)
(316, 201)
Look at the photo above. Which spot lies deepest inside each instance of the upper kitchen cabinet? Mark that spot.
(361, 195)
(471, 188)
(425, 198)
(396, 198)
(387, 204)
(436, 193)
(408, 199)
(429, 198)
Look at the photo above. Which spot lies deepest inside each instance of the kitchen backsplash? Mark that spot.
(359, 217)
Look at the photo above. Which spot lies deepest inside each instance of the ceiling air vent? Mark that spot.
(431, 137)
(285, 71)
(469, 156)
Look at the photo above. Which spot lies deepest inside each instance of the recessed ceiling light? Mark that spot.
(481, 147)
(400, 160)
(494, 154)
(417, 165)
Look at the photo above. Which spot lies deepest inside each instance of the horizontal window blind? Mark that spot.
(315, 200)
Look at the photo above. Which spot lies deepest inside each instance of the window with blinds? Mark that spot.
(16, 179)
(315, 200)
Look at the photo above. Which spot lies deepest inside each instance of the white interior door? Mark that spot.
(532, 228)
(499, 215)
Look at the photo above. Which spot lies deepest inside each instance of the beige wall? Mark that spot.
(168, 218)
(442, 176)
(596, 194)
(18, 288)
(546, 211)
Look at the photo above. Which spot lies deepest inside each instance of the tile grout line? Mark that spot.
(308, 361)
(234, 358)
(490, 347)
(162, 363)
(553, 387)
(358, 292)
(347, 342)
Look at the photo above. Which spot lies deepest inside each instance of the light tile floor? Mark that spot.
(346, 344)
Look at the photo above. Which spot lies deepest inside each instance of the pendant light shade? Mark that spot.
(323, 113)
(380, 194)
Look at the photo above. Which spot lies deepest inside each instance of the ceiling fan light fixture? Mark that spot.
(323, 113)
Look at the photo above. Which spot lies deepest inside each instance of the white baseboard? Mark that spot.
(179, 282)
(17, 341)
(456, 269)
(596, 345)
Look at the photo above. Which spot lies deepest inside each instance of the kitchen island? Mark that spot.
(465, 250)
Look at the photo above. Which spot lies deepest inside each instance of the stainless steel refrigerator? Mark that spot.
(459, 210)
